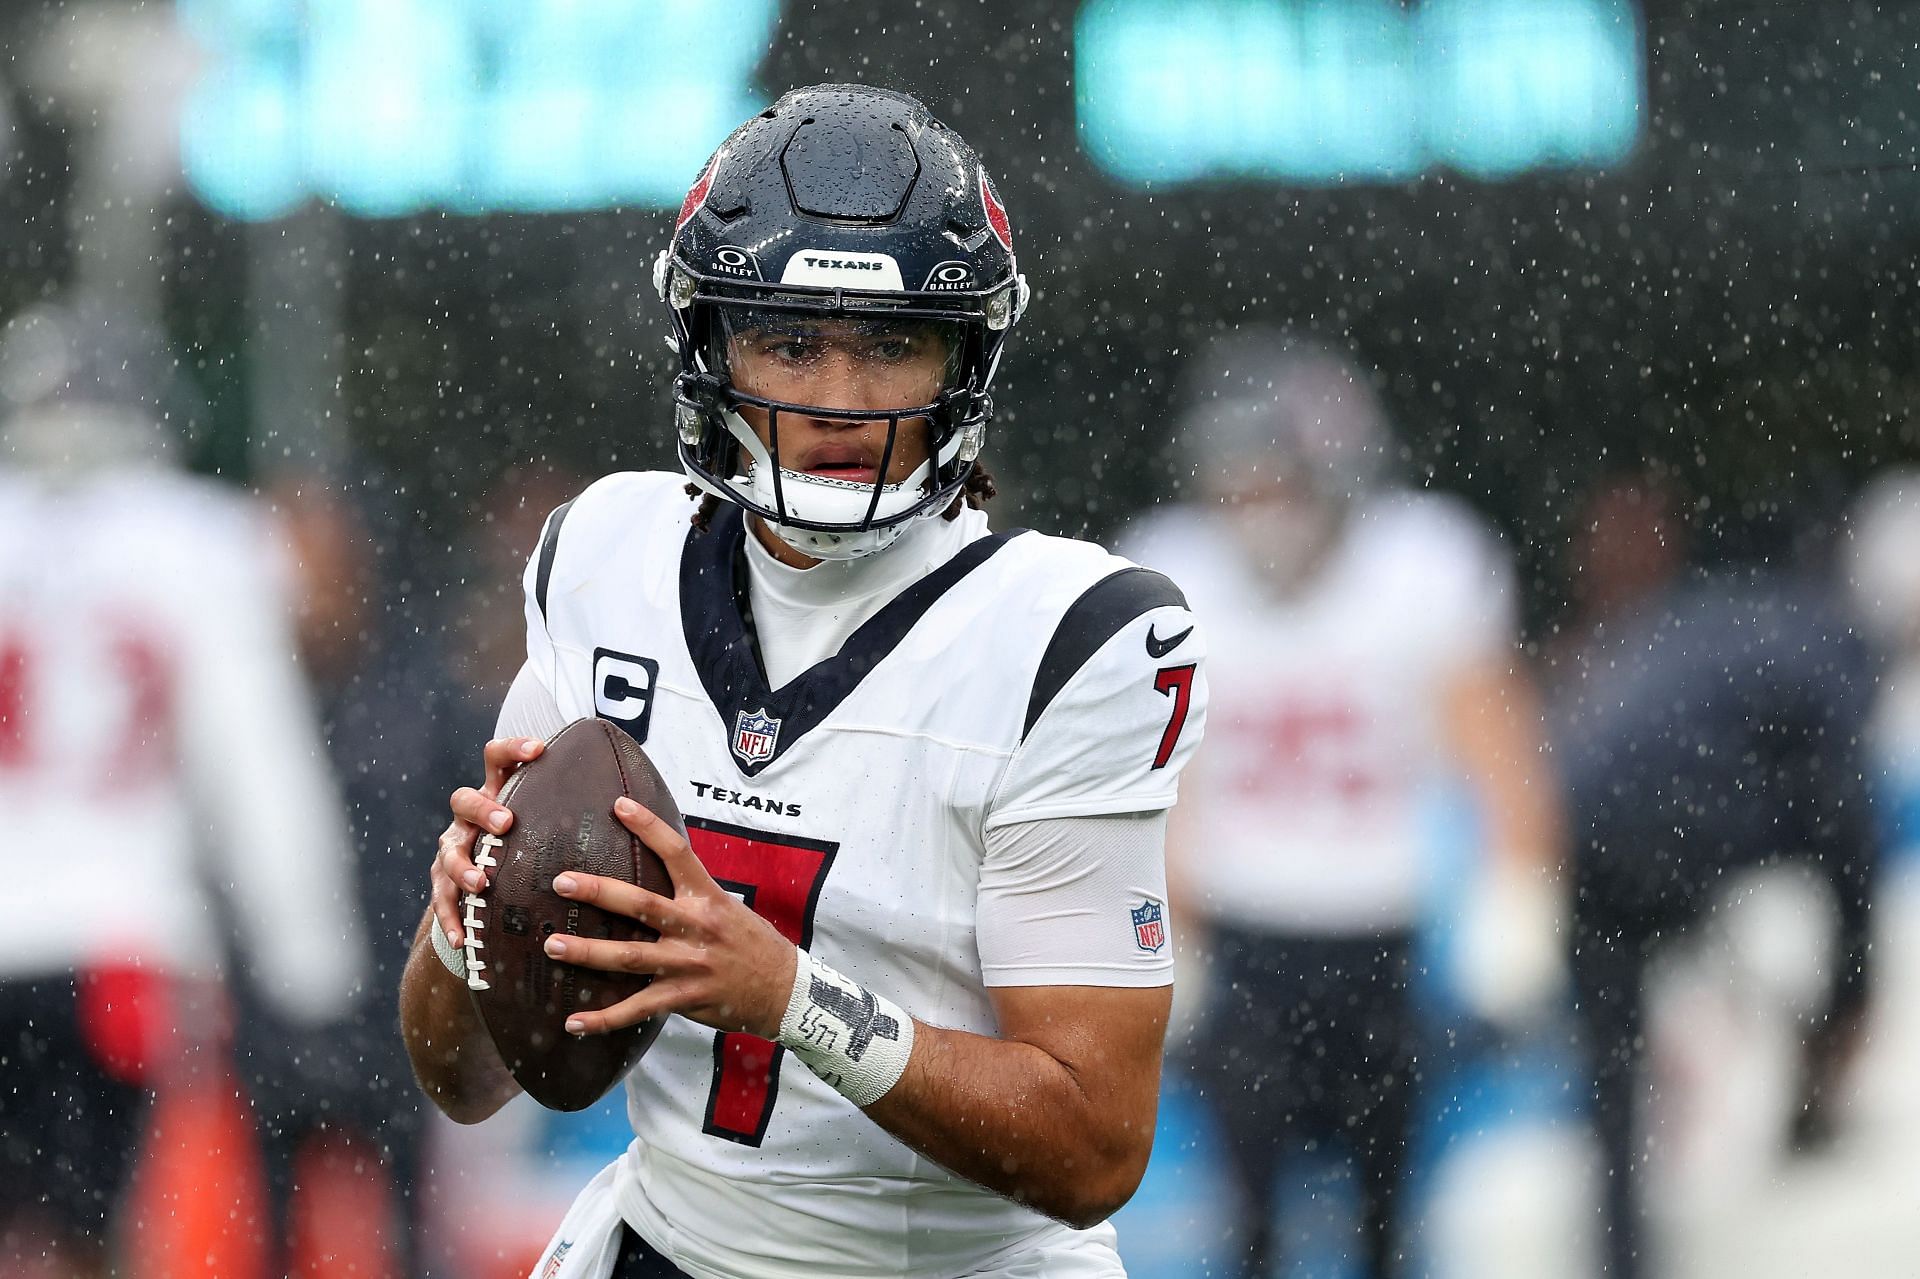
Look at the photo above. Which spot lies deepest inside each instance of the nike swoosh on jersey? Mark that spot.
(1157, 647)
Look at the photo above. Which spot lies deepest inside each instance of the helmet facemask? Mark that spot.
(815, 512)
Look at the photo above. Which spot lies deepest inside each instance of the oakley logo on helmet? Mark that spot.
(949, 277)
(839, 269)
(728, 260)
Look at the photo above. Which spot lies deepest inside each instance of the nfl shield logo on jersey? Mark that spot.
(1149, 926)
(557, 1260)
(754, 735)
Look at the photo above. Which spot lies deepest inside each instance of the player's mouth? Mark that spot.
(848, 463)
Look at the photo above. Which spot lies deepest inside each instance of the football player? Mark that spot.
(917, 942)
(1364, 635)
(146, 684)
(1710, 721)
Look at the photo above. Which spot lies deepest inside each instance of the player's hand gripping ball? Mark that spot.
(563, 820)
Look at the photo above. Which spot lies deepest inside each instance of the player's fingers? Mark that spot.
(608, 956)
(446, 908)
(683, 868)
(480, 809)
(656, 1000)
(618, 896)
(455, 858)
(504, 754)
(450, 867)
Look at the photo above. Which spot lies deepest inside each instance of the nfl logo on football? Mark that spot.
(1149, 926)
(754, 735)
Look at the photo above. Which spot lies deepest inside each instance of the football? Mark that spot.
(563, 820)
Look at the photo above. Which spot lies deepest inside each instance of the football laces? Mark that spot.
(473, 924)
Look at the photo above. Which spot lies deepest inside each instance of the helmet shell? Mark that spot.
(848, 188)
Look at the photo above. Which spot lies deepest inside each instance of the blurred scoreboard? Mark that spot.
(1320, 92)
(389, 107)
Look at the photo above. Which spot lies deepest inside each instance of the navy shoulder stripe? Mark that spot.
(549, 547)
(1090, 622)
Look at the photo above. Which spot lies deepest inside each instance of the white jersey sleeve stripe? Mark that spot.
(1085, 628)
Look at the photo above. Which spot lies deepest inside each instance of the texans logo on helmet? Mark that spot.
(996, 212)
(1149, 926)
(754, 735)
(697, 196)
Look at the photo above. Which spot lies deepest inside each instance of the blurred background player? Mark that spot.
(1365, 655)
(165, 784)
(1707, 723)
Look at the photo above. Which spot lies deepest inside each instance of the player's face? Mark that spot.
(837, 363)
(1284, 525)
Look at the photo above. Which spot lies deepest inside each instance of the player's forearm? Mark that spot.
(453, 1059)
(1015, 1119)
(1496, 726)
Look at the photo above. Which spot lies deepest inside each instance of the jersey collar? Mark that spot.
(763, 723)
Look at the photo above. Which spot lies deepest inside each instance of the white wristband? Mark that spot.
(850, 1037)
(449, 953)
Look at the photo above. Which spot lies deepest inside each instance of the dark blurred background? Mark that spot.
(402, 255)
(1732, 303)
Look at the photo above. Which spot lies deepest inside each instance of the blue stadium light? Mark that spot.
(1323, 92)
(389, 107)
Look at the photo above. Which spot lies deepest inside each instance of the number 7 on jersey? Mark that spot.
(779, 877)
(1176, 681)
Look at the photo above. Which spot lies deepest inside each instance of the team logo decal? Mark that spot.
(698, 195)
(844, 269)
(557, 1260)
(755, 734)
(1149, 926)
(996, 213)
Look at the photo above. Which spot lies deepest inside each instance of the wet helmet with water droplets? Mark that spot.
(846, 201)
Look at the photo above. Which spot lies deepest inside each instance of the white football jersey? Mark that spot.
(1309, 807)
(1026, 677)
(158, 745)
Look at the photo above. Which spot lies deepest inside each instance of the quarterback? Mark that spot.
(917, 943)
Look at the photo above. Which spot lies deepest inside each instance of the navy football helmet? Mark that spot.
(853, 202)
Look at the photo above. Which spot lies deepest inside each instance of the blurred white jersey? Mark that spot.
(1307, 811)
(1025, 677)
(160, 766)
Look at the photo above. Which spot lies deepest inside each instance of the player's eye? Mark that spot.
(793, 350)
(892, 349)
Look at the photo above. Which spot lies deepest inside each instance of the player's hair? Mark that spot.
(980, 489)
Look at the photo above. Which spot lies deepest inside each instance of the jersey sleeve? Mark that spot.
(1076, 901)
(529, 709)
(1116, 709)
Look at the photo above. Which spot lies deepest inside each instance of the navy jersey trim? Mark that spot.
(1090, 622)
(720, 636)
(549, 547)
